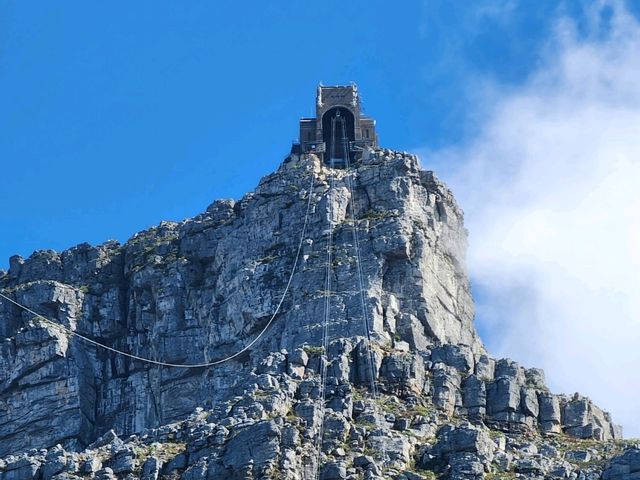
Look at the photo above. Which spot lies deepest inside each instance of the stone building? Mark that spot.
(339, 127)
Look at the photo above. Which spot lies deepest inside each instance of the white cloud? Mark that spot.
(551, 191)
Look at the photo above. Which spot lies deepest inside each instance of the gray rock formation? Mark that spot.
(624, 467)
(199, 290)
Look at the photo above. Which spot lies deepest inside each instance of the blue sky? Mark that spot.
(115, 116)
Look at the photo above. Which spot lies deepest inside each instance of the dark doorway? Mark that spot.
(337, 122)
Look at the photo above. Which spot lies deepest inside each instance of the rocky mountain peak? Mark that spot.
(325, 277)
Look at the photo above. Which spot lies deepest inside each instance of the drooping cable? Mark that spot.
(189, 365)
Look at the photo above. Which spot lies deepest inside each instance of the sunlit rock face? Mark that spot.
(200, 290)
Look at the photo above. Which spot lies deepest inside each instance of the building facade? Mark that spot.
(340, 131)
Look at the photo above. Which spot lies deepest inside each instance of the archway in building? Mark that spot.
(344, 123)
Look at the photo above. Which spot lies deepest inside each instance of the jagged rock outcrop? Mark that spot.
(463, 452)
(201, 289)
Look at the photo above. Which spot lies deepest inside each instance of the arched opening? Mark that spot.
(336, 123)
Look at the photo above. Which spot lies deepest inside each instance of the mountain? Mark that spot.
(319, 327)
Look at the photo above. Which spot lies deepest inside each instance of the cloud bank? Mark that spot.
(551, 190)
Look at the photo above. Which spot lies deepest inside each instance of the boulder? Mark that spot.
(582, 419)
(459, 452)
(151, 468)
(333, 471)
(625, 466)
(549, 414)
(446, 388)
(459, 357)
(403, 372)
(474, 396)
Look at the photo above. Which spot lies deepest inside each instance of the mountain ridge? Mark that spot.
(201, 289)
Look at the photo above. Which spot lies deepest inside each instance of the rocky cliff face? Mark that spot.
(202, 289)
